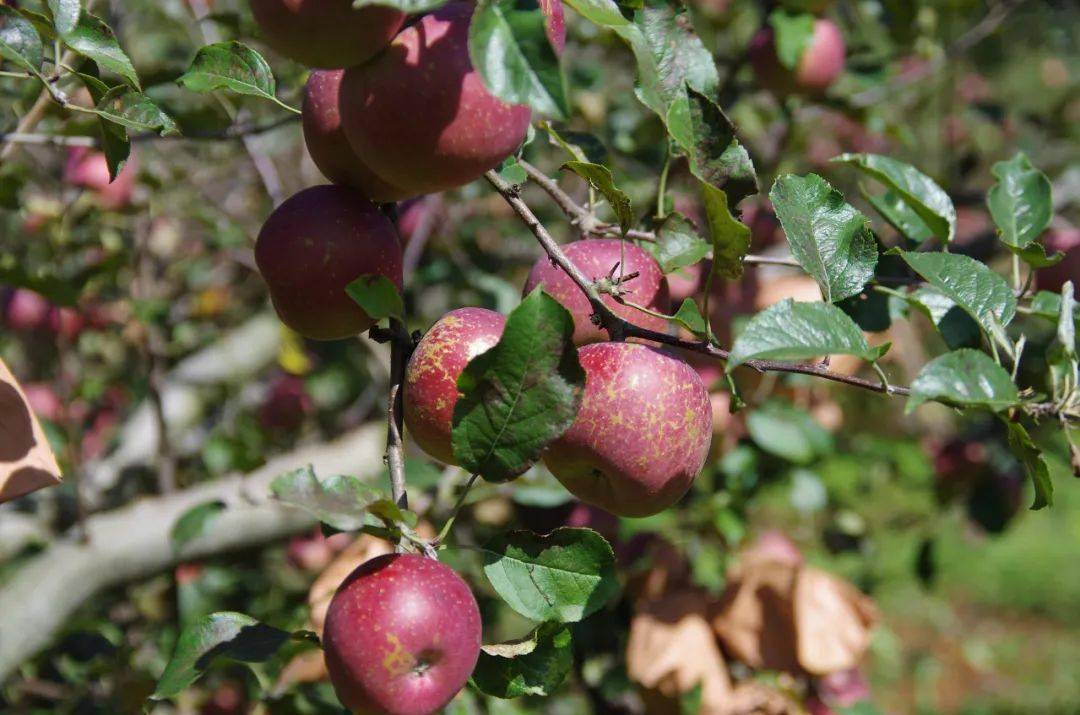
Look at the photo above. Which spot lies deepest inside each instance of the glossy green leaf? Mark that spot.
(233, 636)
(509, 47)
(20, 43)
(115, 142)
(676, 52)
(678, 244)
(338, 500)
(521, 394)
(983, 294)
(535, 665)
(605, 13)
(730, 237)
(793, 32)
(65, 14)
(134, 110)
(716, 157)
(1029, 454)
(1034, 254)
(958, 329)
(689, 316)
(900, 216)
(564, 576)
(1020, 202)
(94, 39)
(829, 237)
(231, 66)
(601, 179)
(964, 378)
(913, 187)
(194, 522)
(377, 296)
(788, 432)
(800, 331)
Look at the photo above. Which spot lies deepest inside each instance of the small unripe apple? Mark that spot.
(328, 34)
(314, 245)
(326, 142)
(89, 169)
(596, 257)
(26, 310)
(641, 435)
(431, 375)
(1066, 240)
(419, 114)
(402, 636)
(821, 63)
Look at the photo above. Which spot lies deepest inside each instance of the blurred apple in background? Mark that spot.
(88, 169)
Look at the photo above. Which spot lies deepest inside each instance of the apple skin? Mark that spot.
(326, 142)
(419, 115)
(595, 257)
(642, 434)
(402, 636)
(431, 375)
(315, 244)
(554, 24)
(89, 170)
(327, 34)
(1068, 241)
(821, 63)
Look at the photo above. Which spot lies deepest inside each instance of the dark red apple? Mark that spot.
(821, 63)
(328, 34)
(313, 246)
(596, 258)
(286, 404)
(420, 116)
(431, 375)
(402, 636)
(642, 433)
(26, 311)
(326, 141)
(88, 169)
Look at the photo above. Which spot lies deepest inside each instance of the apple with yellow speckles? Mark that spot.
(599, 258)
(402, 636)
(641, 435)
(431, 375)
(315, 244)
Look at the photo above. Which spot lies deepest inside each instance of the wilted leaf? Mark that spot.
(26, 460)
(833, 621)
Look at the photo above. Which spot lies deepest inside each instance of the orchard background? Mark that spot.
(757, 185)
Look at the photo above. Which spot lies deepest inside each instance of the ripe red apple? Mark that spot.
(26, 310)
(89, 169)
(419, 114)
(327, 144)
(821, 63)
(328, 34)
(1068, 241)
(313, 246)
(286, 404)
(596, 258)
(431, 375)
(44, 401)
(66, 322)
(642, 433)
(402, 636)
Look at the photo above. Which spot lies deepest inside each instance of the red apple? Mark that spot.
(327, 144)
(685, 283)
(402, 636)
(329, 34)
(313, 246)
(89, 169)
(66, 322)
(44, 401)
(821, 63)
(26, 310)
(642, 433)
(1066, 240)
(431, 375)
(286, 404)
(420, 116)
(596, 258)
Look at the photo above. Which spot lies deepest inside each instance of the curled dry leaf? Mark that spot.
(26, 460)
(672, 650)
(832, 620)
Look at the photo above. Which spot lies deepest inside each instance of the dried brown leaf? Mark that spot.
(26, 460)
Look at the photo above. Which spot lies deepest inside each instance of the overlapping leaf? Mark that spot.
(534, 665)
(980, 292)
(964, 378)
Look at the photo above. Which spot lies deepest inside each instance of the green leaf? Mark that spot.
(339, 500)
(679, 56)
(231, 66)
(134, 110)
(794, 33)
(19, 41)
(799, 331)
(716, 157)
(788, 432)
(1047, 305)
(690, 701)
(1020, 202)
(581, 146)
(377, 296)
(1034, 462)
(1034, 254)
(512, 171)
(689, 316)
(957, 327)
(509, 47)
(409, 7)
(678, 244)
(94, 39)
(983, 294)
(964, 378)
(114, 137)
(829, 237)
(604, 13)
(900, 216)
(911, 186)
(601, 179)
(730, 237)
(194, 523)
(535, 665)
(220, 635)
(564, 576)
(521, 394)
(65, 14)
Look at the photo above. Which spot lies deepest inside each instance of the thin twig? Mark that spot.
(395, 452)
